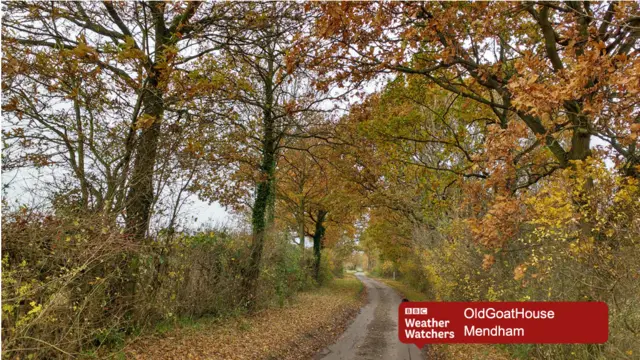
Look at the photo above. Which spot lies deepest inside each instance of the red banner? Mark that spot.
(423, 323)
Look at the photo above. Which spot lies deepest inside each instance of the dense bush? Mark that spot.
(59, 283)
(66, 281)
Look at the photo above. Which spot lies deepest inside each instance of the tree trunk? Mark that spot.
(301, 233)
(271, 202)
(140, 195)
(259, 221)
(318, 236)
(263, 194)
(80, 173)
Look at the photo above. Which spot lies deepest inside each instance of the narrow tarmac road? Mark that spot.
(374, 332)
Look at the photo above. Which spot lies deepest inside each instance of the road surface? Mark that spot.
(374, 332)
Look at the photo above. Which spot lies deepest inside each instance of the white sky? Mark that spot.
(26, 188)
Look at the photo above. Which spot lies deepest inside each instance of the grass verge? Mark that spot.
(405, 290)
(312, 321)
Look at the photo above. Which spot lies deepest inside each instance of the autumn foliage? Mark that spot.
(475, 150)
(500, 161)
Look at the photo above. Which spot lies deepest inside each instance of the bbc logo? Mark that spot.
(415, 311)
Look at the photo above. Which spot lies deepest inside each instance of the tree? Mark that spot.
(295, 188)
(562, 70)
(133, 49)
(100, 83)
(58, 115)
(322, 203)
(263, 105)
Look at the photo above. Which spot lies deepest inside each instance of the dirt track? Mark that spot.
(374, 333)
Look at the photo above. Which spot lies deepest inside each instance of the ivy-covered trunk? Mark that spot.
(300, 221)
(264, 191)
(318, 236)
(259, 224)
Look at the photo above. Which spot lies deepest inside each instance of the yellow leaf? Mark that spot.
(145, 121)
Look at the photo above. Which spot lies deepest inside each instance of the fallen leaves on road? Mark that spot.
(470, 352)
(314, 320)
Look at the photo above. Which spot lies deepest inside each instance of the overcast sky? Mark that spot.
(27, 187)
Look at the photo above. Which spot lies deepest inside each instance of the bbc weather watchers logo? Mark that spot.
(415, 311)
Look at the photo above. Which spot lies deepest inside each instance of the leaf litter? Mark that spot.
(312, 321)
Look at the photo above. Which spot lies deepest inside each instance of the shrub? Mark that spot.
(76, 284)
(59, 281)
